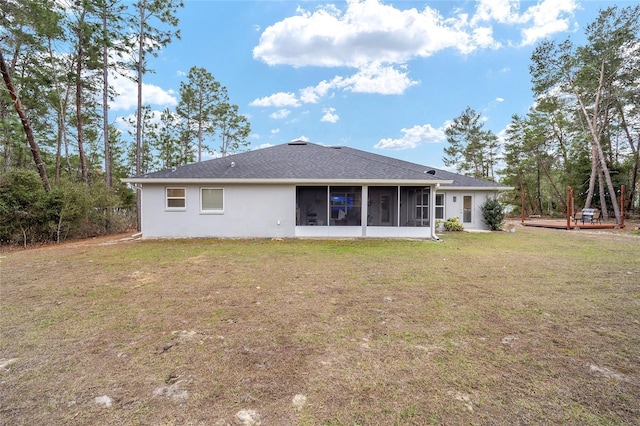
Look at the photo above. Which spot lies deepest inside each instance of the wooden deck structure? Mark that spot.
(568, 222)
(562, 224)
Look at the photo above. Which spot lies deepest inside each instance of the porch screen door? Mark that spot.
(385, 209)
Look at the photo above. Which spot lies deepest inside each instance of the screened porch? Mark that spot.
(343, 206)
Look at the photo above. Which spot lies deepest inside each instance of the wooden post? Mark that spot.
(522, 193)
(570, 211)
(622, 206)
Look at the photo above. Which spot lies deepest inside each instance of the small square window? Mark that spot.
(211, 200)
(176, 198)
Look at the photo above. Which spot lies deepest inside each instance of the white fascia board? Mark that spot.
(177, 181)
(477, 188)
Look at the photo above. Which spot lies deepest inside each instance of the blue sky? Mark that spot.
(381, 76)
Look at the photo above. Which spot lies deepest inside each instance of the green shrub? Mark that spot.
(22, 212)
(453, 224)
(29, 214)
(493, 213)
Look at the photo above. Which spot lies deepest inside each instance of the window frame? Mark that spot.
(167, 198)
(211, 211)
(440, 207)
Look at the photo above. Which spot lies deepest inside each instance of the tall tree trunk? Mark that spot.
(607, 177)
(63, 101)
(547, 173)
(58, 151)
(140, 72)
(603, 198)
(6, 141)
(83, 159)
(634, 176)
(538, 189)
(592, 177)
(7, 156)
(635, 150)
(26, 125)
(105, 98)
(598, 156)
(199, 141)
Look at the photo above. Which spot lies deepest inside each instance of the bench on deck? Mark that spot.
(587, 216)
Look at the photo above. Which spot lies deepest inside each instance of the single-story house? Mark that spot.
(301, 189)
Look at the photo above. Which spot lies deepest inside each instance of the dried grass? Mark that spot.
(532, 327)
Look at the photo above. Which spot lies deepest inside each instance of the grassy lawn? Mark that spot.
(533, 327)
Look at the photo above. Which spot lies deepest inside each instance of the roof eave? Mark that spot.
(176, 181)
(478, 188)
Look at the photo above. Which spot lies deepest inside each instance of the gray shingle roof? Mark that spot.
(458, 180)
(307, 161)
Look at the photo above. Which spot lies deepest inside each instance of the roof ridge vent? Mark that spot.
(297, 142)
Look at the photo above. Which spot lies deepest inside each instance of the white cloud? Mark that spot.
(375, 78)
(378, 40)
(124, 123)
(280, 114)
(302, 138)
(369, 31)
(501, 11)
(313, 93)
(483, 37)
(549, 17)
(275, 131)
(279, 99)
(264, 145)
(127, 94)
(544, 18)
(413, 137)
(329, 116)
(371, 78)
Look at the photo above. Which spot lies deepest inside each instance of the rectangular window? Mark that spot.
(211, 200)
(176, 198)
(439, 206)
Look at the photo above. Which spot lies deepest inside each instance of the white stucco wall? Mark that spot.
(249, 211)
(455, 208)
(268, 211)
